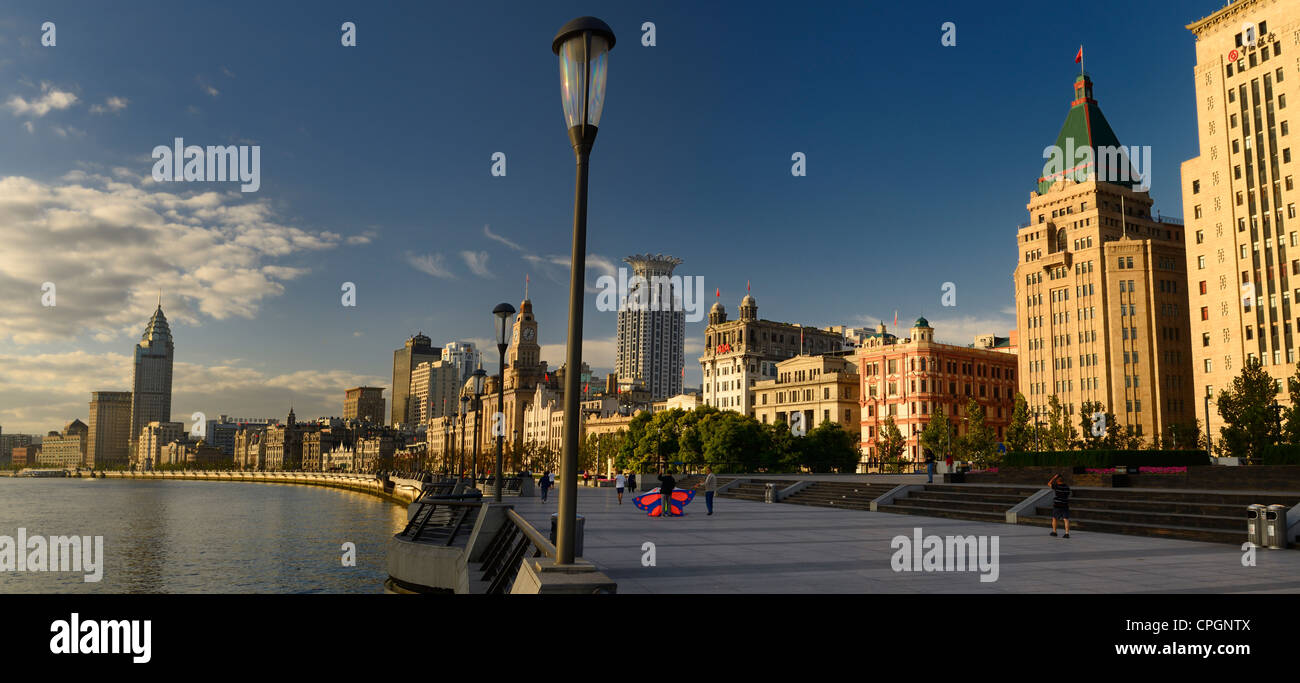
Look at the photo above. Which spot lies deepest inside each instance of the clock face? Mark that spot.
(529, 333)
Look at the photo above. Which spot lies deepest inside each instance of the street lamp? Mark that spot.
(583, 47)
(503, 311)
(460, 455)
(478, 376)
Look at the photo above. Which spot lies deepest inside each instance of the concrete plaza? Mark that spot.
(748, 547)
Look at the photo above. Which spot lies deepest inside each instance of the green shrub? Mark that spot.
(1281, 454)
(1105, 458)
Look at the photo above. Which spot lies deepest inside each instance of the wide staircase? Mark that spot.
(755, 489)
(1189, 515)
(961, 501)
(843, 495)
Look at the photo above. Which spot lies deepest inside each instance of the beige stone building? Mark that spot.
(1101, 288)
(364, 403)
(435, 387)
(109, 435)
(1239, 197)
(153, 441)
(739, 353)
(822, 388)
(66, 448)
(250, 448)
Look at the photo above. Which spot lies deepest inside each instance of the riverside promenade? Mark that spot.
(751, 547)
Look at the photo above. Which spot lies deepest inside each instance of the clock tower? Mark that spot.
(524, 355)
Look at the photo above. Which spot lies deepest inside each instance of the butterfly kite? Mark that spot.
(652, 502)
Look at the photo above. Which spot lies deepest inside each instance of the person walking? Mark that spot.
(710, 487)
(545, 484)
(666, 486)
(1060, 503)
(619, 482)
(631, 482)
(929, 466)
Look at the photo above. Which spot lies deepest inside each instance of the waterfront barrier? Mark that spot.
(396, 489)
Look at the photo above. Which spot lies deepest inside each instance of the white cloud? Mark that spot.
(477, 261)
(599, 354)
(109, 246)
(113, 104)
(556, 268)
(30, 127)
(41, 392)
(50, 99)
(493, 236)
(958, 330)
(430, 264)
(206, 87)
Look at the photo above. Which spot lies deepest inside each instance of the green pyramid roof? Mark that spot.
(1086, 126)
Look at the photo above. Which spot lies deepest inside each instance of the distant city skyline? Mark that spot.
(909, 185)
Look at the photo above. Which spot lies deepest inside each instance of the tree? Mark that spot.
(1252, 418)
(979, 445)
(1291, 430)
(828, 448)
(891, 443)
(1020, 434)
(937, 437)
(1060, 433)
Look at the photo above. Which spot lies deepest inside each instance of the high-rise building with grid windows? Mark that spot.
(1239, 196)
(652, 327)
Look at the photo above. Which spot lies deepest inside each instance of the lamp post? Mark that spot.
(478, 376)
(460, 455)
(503, 311)
(583, 47)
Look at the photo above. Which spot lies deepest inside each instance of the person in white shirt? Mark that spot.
(619, 482)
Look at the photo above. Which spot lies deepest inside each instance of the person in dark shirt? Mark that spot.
(929, 466)
(666, 486)
(1060, 503)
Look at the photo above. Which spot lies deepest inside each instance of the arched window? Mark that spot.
(1060, 240)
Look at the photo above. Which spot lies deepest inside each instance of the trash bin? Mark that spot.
(1255, 524)
(769, 494)
(577, 541)
(1275, 527)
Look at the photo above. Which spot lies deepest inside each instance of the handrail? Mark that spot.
(534, 536)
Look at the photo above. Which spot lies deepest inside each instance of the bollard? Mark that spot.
(769, 493)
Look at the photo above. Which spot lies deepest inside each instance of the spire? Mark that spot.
(1086, 126)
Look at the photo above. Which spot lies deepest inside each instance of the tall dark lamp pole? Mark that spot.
(503, 311)
(583, 47)
(478, 376)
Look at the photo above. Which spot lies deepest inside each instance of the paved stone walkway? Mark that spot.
(748, 547)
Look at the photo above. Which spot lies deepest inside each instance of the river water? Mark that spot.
(203, 537)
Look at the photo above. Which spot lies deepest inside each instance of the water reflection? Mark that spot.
(204, 537)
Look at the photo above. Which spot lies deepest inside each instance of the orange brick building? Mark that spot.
(909, 378)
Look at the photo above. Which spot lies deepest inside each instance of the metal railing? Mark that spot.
(515, 540)
(440, 519)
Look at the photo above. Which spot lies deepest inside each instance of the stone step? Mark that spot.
(1138, 529)
(945, 512)
(1020, 491)
(845, 504)
(1153, 518)
(951, 505)
(1206, 507)
(1175, 495)
(959, 496)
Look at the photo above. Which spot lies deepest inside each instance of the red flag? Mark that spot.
(746, 285)
(1078, 59)
(718, 293)
(895, 317)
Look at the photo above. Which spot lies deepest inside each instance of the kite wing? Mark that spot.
(652, 502)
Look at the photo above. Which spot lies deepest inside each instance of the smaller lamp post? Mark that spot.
(460, 459)
(478, 376)
(502, 313)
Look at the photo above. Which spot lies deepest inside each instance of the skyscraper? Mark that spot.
(464, 356)
(1101, 293)
(110, 429)
(418, 349)
(151, 394)
(652, 326)
(1239, 198)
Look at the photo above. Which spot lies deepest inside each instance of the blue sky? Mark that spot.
(920, 162)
